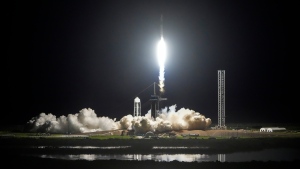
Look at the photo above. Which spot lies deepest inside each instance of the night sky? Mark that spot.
(64, 56)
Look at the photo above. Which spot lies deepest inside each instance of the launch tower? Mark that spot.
(155, 99)
(221, 99)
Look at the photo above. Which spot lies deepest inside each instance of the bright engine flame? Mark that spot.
(161, 56)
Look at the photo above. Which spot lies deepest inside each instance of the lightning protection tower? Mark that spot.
(221, 99)
(137, 107)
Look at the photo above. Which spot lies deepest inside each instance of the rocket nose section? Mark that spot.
(161, 25)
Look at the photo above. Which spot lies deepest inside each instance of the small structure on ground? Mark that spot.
(149, 134)
(272, 129)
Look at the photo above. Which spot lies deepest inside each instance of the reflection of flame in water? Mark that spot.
(277, 154)
(222, 157)
(139, 157)
(182, 157)
(89, 157)
(158, 147)
(84, 147)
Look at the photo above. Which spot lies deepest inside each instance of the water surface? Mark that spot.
(280, 154)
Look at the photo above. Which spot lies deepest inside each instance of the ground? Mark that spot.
(214, 133)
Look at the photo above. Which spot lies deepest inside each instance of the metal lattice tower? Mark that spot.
(155, 99)
(221, 99)
(137, 107)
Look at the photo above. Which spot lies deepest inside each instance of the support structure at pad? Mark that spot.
(155, 99)
(221, 99)
(137, 107)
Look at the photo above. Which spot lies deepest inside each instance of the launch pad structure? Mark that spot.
(221, 100)
(155, 99)
(155, 108)
(137, 107)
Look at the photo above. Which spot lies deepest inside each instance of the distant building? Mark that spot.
(149, 134)
(272, 129)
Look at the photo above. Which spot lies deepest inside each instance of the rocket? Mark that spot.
(161, 26)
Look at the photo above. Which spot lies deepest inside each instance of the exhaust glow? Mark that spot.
(161, 56)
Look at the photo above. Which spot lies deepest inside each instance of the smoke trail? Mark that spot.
(87, 121)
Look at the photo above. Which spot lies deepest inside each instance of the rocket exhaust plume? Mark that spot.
(161, 56)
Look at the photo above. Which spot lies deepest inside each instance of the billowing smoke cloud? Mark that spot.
(84, 121)
(87, 121)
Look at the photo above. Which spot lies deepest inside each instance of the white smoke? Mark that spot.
(87, 121)
(84, 121)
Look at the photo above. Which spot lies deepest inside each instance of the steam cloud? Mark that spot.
(87, 121)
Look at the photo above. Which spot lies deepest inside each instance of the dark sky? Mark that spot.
(64, 56)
